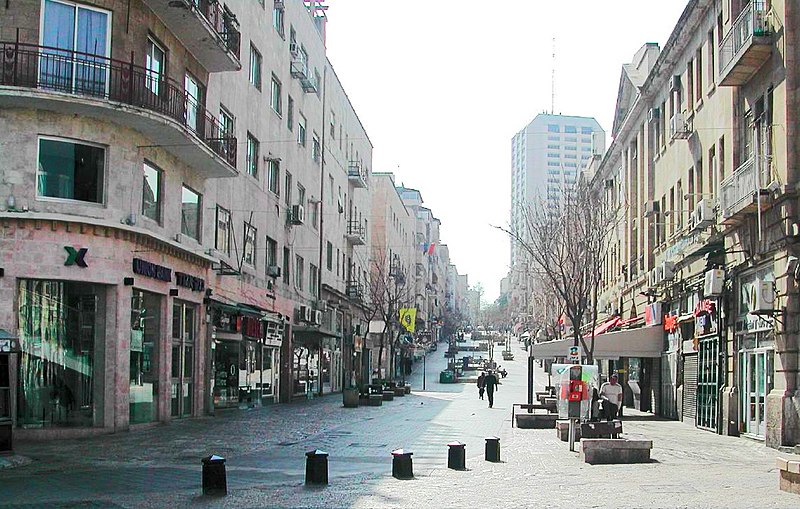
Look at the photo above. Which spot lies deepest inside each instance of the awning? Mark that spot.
(310, 336)
(238, 309)
(642, 342)
(603, 327)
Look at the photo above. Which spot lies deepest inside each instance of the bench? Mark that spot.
(602, 429)
(562, 430)
(399, 391)
(375, 400)
(551, 404)
(789, 472)
(532, 420)
(606, 451)
(388, 395)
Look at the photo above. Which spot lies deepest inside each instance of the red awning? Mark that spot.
(604, 327)
(631, 321)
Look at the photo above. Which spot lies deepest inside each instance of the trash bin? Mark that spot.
(456, 455)
(316, 467)
(402, 467)
(493, 449)
(214, 477)
(446, 377)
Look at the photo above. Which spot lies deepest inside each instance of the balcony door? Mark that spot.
(77, 45)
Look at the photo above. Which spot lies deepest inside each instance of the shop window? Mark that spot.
(145, 334)
(151, 192)
(191, 211)
(70, 170)
(62, 333)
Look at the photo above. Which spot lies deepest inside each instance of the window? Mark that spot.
(313, 281)
(571, 129)
(298, 272)
(255, 67)
(273, 176)
(191, 213)
(712, 53)
(277, 19)
(690, 85)
(69, 170)
(78, 28)
(553, 128)
(151, 193)
(554, 147)
(698, 59)
(287, 186)
(272, 253)
(226, 122)
(315, 148)
(315, 215)
(586, 130)
(301, 130)
(333, 125)
(287, 261)
(252, 155)
(155, 60)
(301, 194)
(290, 113)
(222, 239)
(275, 95)
(249, 250)
(329, 257)
(195, 98)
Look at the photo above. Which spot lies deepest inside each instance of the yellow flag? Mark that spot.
(408, 318)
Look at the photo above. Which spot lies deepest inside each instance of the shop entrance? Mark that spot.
(707, 383)
(183, 341)
(8, 348)
(756, 377)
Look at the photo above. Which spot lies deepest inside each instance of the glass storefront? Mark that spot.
(145, 338)
(226, 374)
(305, 371)
(184, 331)
(62, 336)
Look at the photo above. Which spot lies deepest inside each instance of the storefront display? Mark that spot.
(62, 337)
(183, 343)
(145, 338)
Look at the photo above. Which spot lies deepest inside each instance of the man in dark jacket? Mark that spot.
(481, 384)
(491, 384)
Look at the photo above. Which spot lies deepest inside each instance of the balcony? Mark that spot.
(208, 30)
(354, 290)
(357, 174)
(81, 84)
(746, 47)
(741, 194)
(355, 234)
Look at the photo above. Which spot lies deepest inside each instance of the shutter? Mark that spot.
(689, 387)
(669, 373)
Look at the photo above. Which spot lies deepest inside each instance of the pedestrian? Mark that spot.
(491, 383)
(611, 397)
(481, 384)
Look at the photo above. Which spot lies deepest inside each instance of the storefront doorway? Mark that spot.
(756, 368)
(184, 332)
(145, 340)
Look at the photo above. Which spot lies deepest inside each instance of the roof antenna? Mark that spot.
(553, 82)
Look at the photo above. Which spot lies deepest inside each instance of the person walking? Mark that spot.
(491, 383)
(611, 398)
(481, 384)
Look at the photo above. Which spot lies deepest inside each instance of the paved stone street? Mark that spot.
(160, 466)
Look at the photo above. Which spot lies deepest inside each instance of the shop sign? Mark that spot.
(358, 343)
(195, 284)
(652, 314)
(9, 345)
(250, 327)
(76, 256)
(152, 270)
(137, 340)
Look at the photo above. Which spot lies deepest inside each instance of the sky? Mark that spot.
(442, 87)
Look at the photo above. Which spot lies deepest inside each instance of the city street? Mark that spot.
(264, 448)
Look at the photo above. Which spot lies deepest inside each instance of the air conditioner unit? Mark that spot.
(270, 285)
(322, 305)
(274, 271)
(658, 276)
(667, 271)
(650, 208)
(675, 83)
(653, 278)
(294, 49)
(298, 215)
(714, 282)
(678, 127)
(317, 318)
(653, 114)
(598, 144)
(180, 238)
(762, 297)
(702, 217)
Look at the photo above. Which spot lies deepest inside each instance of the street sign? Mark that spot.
(574, 355)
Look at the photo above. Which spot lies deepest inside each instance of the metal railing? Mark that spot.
(751, 21)
(86, 75)
(738, 188)
(222, 21)
(355, 229)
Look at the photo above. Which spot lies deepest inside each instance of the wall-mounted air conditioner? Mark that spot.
(762, 297)
(714, 282)
(651, 207)
(674, 83)
(317, 318)
(653, 114)
(667, 271)
(298, 215)
(274, 271)
(322, 305)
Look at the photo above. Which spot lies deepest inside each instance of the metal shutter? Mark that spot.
(689, 387)
(669, 373)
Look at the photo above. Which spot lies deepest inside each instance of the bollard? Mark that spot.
(214, 478)
(316, 467)
(402, 467)
(456, 455)
(493, 449)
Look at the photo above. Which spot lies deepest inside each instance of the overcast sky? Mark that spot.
(442, 86)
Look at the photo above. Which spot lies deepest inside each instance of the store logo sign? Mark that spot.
(76, 256)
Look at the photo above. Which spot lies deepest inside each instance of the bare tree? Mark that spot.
(567, 240)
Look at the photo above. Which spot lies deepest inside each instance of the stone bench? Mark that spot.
(605, 451)
(602, 429)
(562, 430)
(388, 395)
(789, 472)
(536, 421)
(399, 391)
(551, 404)
(375, 400)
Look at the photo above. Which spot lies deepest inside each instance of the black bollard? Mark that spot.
(493, 449)
(456, 455)
(316, 467)
(402, 467)
(215, 481)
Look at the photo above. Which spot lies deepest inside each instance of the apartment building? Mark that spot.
(702, 269)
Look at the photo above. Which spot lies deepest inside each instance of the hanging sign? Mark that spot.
(574, 355)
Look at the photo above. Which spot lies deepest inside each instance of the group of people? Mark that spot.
(487, 382)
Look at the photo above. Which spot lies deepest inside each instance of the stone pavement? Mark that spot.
(159, 467)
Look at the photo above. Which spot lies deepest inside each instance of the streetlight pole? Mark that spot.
(424, 359)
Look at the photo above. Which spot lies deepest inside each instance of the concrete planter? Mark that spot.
(350, 398)
(606, 451)
(536, 421)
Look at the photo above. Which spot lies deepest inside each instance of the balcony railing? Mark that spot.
(355, 233)
(354, 290)
(739, 192)
(747, 45)
(95, 77)
(357, 174)
(208, 29)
